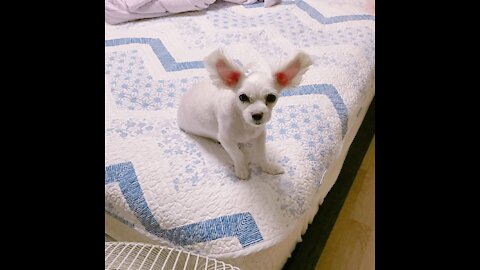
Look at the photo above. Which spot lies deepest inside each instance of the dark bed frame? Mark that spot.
(306, 253)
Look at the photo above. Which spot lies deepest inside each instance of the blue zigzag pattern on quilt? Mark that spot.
(317, 15)
(240, 225)
(169, 63)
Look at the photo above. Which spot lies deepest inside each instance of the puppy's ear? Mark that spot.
(290, 74)
(223, 71)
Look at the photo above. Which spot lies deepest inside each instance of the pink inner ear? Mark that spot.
(229, 76)
(281, 78)
(284, 77)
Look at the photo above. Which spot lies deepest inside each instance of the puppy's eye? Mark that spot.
(271, 98)
(244, 98)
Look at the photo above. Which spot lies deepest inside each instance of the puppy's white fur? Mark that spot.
(217, 108)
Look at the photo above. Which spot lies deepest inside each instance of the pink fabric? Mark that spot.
(119, 11)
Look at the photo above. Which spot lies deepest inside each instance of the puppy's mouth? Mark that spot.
(256, 123)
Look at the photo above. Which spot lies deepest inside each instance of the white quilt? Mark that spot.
(179, 190)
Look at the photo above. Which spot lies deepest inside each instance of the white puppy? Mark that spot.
(233, 107)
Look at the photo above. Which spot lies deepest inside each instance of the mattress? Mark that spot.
(165, 187)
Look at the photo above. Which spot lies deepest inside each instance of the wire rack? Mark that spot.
(128, 255)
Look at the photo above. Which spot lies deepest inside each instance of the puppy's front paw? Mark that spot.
(272, 168)
(241, 172)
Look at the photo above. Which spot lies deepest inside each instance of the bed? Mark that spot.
(165, 187)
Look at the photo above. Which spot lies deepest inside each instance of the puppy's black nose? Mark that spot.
(257, 116)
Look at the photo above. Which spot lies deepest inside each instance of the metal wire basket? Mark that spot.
(130, 255)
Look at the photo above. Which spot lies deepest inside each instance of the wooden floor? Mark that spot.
(351, 245)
